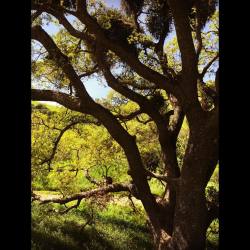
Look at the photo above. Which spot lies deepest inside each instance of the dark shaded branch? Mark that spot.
(94, 70)
(62, 60)
(91, 179)
(188, 76)
(204, 71)
(57, 140)
(71, 207)
(44, 124)
(180, 12)
(144, 122)
(59, 14)
(169, 180)
(115, 83)
(88, 106)
(129, 116)
(145, 105)
(67, 101)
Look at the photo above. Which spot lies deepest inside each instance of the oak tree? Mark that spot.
(129, 50)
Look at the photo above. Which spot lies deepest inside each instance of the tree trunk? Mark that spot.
(191, 213)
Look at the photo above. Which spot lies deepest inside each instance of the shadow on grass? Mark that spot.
(111, 233)
(71, 239)
(125, 224)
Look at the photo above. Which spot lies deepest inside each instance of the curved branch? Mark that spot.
(116, 84)
(57, 140)
(65, 100)
(91, 179)
(39, 34)
(205, 69)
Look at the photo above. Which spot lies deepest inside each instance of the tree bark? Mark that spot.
(191, 213)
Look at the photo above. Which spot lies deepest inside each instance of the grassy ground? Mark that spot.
(110, 227)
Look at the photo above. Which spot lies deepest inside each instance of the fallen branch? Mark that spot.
(116, 187)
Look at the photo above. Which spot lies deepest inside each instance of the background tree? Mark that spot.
(127, 50)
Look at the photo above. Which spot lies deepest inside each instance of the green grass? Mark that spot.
(114, 227)
(115, 224)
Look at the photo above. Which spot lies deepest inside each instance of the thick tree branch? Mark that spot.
(180, 12)
(103, 115)
(62, 60)
(125, 54)
(129, 116)
(67, 101)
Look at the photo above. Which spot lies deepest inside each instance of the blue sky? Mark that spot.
(94, 88)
